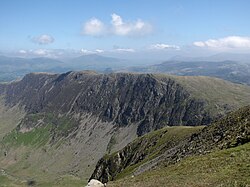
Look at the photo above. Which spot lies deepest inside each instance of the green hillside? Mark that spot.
(228, 168)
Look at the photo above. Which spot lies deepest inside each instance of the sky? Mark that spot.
(130, 28)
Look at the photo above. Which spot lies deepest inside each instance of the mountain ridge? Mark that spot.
(42, 89)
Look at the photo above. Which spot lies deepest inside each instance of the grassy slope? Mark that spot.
(7, 182)
(27, 151)
(9, 118)
(163, 138)
(47, 153)
(223, 168)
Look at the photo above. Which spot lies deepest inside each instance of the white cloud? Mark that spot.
(230, 42)
(162, 46)
(125, 50)
(89, 52)
(199, 44)
(99, 51)
(43, 39)
(86, 52)
(23, 52)
(95, 27)
(119, 27)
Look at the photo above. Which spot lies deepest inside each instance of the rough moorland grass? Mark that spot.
(225, 168)
(165, 137)
(39, 135)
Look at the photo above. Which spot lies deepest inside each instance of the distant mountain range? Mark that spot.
(236, 69)
(237, 72)
(12, 68)
(245, 58)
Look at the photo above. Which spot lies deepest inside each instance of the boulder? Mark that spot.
(95, 183)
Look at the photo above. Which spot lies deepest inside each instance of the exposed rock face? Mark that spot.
(230, 131)
(120, 98)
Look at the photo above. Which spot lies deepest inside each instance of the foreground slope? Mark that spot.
(68, 121)
(230, 131)
(140, 151)
(228, 167)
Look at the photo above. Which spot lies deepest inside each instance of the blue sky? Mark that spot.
(96, 26)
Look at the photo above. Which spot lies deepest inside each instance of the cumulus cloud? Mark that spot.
(119, 27)
(43, 39)
(95, 27)
(230, 42)
(162, 46)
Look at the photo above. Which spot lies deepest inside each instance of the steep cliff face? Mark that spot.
(145, 153)
(123, 99)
